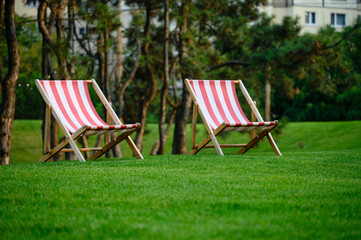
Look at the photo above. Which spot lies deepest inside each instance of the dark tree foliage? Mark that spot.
(311, 75)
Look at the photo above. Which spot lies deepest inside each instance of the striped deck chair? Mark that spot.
(69, 102)
(218, 105)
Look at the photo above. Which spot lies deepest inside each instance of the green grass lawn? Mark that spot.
(314, 195)
(26, 142)
(312, 192)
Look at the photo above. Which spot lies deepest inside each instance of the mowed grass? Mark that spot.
(314, 195)
(312, 192)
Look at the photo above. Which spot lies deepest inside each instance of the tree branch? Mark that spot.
(37, 20)
(344, 37)
(230, 63)
(81, 43)
(136, 64)
(173, 104)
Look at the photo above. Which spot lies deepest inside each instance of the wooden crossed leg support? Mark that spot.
(216, 101)
(70, 103)
(212, 137)
(71, 140)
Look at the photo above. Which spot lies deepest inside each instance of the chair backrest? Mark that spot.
(70, 99)
(217, 100)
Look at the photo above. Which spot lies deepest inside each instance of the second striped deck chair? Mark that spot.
(218, 105)
(70, 103)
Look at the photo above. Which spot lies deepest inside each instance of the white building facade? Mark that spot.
(314, 14)
(30, 10)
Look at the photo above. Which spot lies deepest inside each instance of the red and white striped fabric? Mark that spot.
(218, 102)
(70, 99)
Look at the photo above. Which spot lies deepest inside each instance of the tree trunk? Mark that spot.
(1, 39)
(143, 107)
(118, 99)
(165, 82)
(101, 67)
(120, 88)
(54, 138)
(170, 123)
(116, 150)
(180, 129)
(48, 72)
(45, 74)
(61, 55)
(103, 55)
(102, 72)
(57, 11)
(7, 108)
(151, 88)
(268, 94)
(142, 120)
(106, 66)
(120, 44)
(69, 39)
(107, 81)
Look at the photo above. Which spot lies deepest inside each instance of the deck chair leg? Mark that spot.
(47, 129)
(252, 133)
(111, 144)
(60, 146)
(194, 124)
(134, 148)
(273, 144)
(211, 136)
(216, 145)
(84, 142)
(256, 139)
(200, 146)
(65, 142)
(76, 150)
(54, 151)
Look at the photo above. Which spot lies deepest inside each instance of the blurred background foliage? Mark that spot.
(311, 81)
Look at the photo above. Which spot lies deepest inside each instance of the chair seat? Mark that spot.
(111, 127)
(239, 124)
(101, 129)
(248, 126)
(245, 127)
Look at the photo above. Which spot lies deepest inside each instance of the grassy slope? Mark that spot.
(305, 195)
(313, 136)
(311, 192)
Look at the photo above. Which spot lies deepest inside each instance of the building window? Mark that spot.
(310, 18)
(82, 31)
(32, 4)
(338, 20)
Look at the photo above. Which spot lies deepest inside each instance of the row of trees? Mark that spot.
(312, 77)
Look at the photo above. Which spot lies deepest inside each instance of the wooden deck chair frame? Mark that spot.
(70, 138)
(212, 133)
